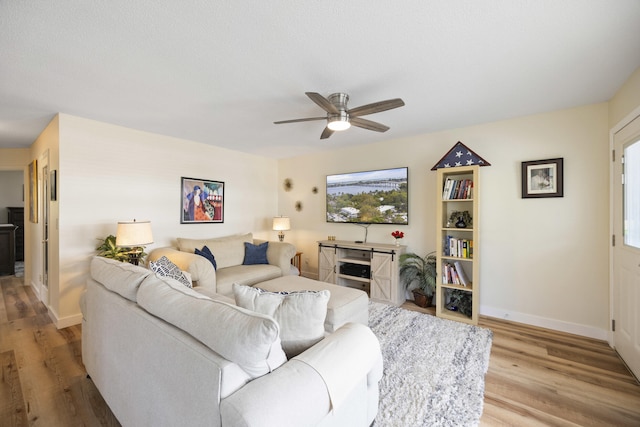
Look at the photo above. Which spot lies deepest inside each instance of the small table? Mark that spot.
(296, 261)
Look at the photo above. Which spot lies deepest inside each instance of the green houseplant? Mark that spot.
(419, 276)
(108, 249)
(461, 301)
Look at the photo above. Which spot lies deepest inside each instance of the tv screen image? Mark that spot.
(371, 197)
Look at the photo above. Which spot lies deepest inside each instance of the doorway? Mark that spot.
(626, 244)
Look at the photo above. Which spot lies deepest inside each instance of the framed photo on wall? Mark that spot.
(202, 201)
(542, 178)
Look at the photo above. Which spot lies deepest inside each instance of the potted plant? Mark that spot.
(419, 276)
(108, 249)
(460, 301)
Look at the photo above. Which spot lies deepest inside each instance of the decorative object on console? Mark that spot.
(281, 224)
(543, 178)
(134, 235)
(398, 235)
(202, 201)
(418, 274)
(460, 155)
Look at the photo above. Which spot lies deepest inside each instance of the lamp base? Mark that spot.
(281, 236)
(134, 257)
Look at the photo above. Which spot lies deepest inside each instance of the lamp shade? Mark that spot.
(281, 223)
(134, 233)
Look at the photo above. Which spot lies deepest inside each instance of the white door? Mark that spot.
(626, 250)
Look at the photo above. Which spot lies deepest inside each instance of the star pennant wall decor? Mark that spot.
(460, 155)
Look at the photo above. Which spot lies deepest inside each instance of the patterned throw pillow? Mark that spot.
(299, 314)
(255, 254)
(165, 268)
(206, 252)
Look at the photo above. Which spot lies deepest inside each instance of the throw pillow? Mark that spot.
(300, 315)
(255, 254)
(206, 252)
(165, 268)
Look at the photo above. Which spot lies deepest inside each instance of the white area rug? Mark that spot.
(433, 368)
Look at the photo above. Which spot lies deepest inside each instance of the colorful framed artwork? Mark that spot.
(543, 178)
(33, 191)
(202, 201)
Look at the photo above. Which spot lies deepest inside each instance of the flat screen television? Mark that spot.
(370, 197)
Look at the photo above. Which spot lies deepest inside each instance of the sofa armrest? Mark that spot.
(279, 254)
(300, 391)
(201, 270)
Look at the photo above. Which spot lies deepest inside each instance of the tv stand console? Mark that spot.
(371, 267)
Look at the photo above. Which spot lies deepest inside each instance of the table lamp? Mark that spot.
(281, 224)
(135, 235)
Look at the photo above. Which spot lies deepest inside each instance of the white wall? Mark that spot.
(10, 192)
(544, 261)
(110, 173)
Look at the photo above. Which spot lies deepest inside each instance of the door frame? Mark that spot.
(635, 113)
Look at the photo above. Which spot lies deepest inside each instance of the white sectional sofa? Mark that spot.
(229, 252)
(163, 354)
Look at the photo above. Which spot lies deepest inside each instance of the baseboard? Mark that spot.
(64, 322)
(543, 322)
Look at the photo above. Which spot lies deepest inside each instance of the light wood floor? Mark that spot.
(540, 377)
(536, 377)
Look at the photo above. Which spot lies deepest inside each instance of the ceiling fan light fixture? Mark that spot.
(338, 122)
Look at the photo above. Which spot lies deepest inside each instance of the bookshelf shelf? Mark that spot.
(458, 253)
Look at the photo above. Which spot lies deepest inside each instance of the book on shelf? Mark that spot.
(464, 280)
(457, 189)
(455, 247)
(453, 274)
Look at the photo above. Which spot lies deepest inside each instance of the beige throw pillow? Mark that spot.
(300, 315)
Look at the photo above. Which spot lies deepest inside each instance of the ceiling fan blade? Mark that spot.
(368, 124)
(308, 119)
(376, 107)
(326, 133)
(323, 102)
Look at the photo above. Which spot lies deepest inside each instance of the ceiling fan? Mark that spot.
(339, 117)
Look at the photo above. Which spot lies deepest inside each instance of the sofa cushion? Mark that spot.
(300, 314)
(255, 254)
(165, 268)
(244, 275)
(229, 250)
(120, 277)
(249, 339)
(206, 252)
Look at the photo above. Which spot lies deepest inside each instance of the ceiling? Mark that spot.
(221, 72)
